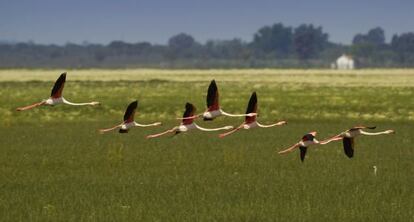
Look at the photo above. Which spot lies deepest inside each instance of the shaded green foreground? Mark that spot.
(55, 166)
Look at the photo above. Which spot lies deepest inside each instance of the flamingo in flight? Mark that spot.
(213, 107)
(306, 141)
(56, 96)
(250, 121)
(348, 136)
(129, 121)
(188, 123)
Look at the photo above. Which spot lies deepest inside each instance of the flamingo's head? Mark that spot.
(390, 131)
(281, 123)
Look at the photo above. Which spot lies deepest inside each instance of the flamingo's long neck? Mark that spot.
(271, 125)
(213, 129)
(232, 115)
(78, 104)
(146, 125)
(377, 133)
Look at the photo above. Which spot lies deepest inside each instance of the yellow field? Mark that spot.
(317, 77)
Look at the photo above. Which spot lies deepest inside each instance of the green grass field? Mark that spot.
(55, 166)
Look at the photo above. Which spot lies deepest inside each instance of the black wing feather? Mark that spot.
(58, 84)
(302, 152)
(252, 106)
(189, 110)
(348, 146)
(212, 93)
(130, 111)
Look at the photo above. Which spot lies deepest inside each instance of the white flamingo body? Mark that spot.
(250, 125)
(127, 126)
(53, 101)
(309, 143)
(212, 114)
(186, 127)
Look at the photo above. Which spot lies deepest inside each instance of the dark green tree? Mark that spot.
(370, 48)
(181, 46)
(227, 49)
(181, 41)
(403, 46)
(309, 41)
(375, 36)
(275, 39)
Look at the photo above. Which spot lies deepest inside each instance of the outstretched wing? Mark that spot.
(251, 108)
(348, 146)
(130, 112)
(189, 111)
(58, 87)
(212, 96)
(302, 152)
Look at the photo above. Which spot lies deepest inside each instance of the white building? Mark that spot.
(345, 62)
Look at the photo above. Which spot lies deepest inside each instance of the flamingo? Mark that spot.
(129, 121)
(348, 136)
(213, 107)
(306, 141)
(56, 96)
(187, 123)
(250, 121)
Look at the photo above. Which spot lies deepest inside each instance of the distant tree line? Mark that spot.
(272, 46)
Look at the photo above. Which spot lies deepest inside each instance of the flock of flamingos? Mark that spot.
(213, 111)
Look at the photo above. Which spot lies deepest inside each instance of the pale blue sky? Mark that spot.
(101, 21)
